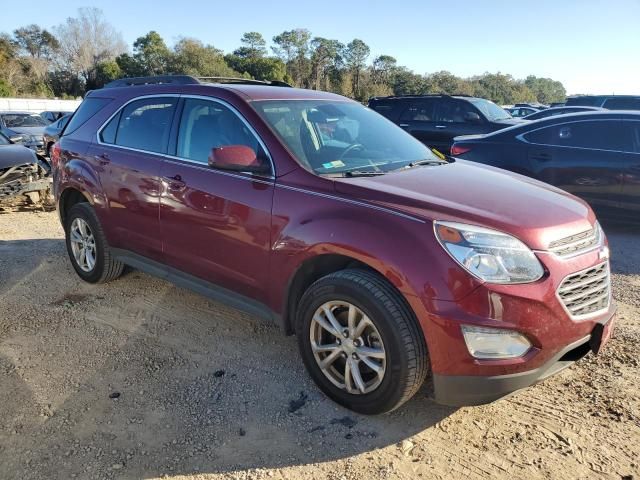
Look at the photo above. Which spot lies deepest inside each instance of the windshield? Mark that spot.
(336, 137)
(490, 110)
(15, 120)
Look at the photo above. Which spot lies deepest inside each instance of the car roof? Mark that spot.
(429, 95)
(246, 91)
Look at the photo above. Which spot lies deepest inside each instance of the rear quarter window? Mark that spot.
(622, 103)
(87, 109)
(601, 135)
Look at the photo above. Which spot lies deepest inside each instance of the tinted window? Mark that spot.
(454, 111)
(206, 125)
(622, 103)
(108, 133)
(87, 109)
(419, 111)
(144, 124)
(585, 101)
(605, 135)
(384, 108)
(17, 120)
(635, 131)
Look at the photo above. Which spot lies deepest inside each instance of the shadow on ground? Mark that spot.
(138, 378)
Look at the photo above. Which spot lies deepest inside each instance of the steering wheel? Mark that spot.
(350, 148)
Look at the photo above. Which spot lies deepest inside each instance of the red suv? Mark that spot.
(388, 262)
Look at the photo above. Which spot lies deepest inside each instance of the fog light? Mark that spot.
(483, 342)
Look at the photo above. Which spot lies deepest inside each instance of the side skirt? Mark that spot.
(190, 282)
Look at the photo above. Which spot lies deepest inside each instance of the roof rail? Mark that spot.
(245, 81)
(155, 80)
(423, 95)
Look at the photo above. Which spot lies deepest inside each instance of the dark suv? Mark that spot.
(307, 208)
(436, 119)
(610, 102)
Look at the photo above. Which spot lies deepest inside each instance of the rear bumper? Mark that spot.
(468, 390)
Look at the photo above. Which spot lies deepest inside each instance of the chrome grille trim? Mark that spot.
(578, 243)
(586, 293)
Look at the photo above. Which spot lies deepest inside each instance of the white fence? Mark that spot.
(37, 105)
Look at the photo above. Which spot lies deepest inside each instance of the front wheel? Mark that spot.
(361, 342)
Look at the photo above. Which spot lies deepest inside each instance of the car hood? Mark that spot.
(467, 192)
(12, 155)
(28, 130)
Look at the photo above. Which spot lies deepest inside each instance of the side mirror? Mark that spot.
(472, 117)
(236, 157)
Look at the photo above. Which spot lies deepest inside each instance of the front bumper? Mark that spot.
(468, 390)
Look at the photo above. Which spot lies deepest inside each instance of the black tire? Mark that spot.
(106, 267)
(407, 358)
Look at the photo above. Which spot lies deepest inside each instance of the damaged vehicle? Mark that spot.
(24, 128)
(24, 175)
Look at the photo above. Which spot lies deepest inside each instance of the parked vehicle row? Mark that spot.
(436, 119)
(552, 112)
(595, 156)
(388, 262)
(24, 128)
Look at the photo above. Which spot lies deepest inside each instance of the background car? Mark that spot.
(611, 102)
(551, 112)
(436, 119)
(51, 116)
(595, 156)
(536, 105)
(25, 128)
(519, 112)
(23, 176)
(52, 132)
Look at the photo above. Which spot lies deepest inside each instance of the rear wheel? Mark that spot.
(361, 342)
(87, 246)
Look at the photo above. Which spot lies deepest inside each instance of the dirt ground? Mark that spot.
(141, 379)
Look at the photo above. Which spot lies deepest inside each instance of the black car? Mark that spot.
(52, 133)
(51, 115)
(436, 119)
(551, 112)
(594, 155)
(610, 102)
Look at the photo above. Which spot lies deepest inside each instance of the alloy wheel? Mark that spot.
(83, 244)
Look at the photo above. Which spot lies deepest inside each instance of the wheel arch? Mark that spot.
(69, 197)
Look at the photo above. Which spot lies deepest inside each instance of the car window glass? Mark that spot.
(605, 135)
(206, 125)
(384, 108)
(420, 111)
(622, 103)
(454, 111)
(635, 132)
(18, 120)
(108, 133)
(87, 109)
(145, 124)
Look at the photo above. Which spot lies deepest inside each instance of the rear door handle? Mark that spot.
(441, 126)
(541, 157)
(103, 158)
(175, 182)
(404, 125)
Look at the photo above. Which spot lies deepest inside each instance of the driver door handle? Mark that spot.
(441, 126)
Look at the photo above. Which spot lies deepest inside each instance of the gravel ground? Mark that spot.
(141, 379)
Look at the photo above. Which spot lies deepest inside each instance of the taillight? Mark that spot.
(459, 149)
(55, 155)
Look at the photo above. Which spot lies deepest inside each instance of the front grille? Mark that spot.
(575, 244)
(586, 292)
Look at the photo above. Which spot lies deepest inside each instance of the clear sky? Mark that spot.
(590, 46)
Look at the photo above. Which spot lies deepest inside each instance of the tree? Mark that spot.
(36, 42)
(325, 56)
(85, 41)
(192, 57)
(107, 72)
(292, 47)
(151, 54)
(382, 69)
(356, 55)
(253, 46)
(546, 90)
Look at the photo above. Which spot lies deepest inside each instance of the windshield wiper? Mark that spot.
(427, 161)
(362, 173)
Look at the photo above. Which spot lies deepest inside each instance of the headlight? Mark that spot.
(489, 255)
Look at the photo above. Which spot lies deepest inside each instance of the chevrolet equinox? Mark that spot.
(388, 262)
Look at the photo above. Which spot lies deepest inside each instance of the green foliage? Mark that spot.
(86, 53)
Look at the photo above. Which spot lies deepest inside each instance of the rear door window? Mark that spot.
(87, 109)
(143, 124)
(454, 111)
(602, 135)
(622, 103)
(420, 111)
(385, 108)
